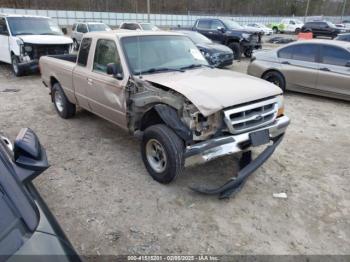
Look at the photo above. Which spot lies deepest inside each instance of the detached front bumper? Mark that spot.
(209, 150)
(215, 148)
(29, 67)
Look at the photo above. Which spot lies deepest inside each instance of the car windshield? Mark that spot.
(232, 24)
(298, 22)
(148, 27)
(151, 54)
(330, 24)
(98, 27)
(33, 26)
(198, 38)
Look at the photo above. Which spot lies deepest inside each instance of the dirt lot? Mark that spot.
(106, 202)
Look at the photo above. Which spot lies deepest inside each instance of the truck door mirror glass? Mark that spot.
(115, 70)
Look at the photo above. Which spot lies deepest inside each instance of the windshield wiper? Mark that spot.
(160, 69)
(195, 66)
(24, 34)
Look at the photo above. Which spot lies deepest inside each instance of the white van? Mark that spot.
(24, 39)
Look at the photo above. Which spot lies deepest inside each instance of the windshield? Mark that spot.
(149, 27)
(198, 38)
(232, 24)
(33, 26)
(298, 22)
(146, 54)
(330, 24)
(98, 27)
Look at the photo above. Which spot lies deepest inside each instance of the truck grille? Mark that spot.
(250, 117)
(42, 50)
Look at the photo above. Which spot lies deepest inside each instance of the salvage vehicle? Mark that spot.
(159, 86)
(217, 55)
(81, 28)
(229, 33)
(27, 228)
(322, 28)
(320, 67)
(287, 25)
(138, 26)
(264, 29)
(24, 39)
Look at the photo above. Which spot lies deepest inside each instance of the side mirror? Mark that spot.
(29, 154)
(64, 30)
(115, 70)
(221, 29)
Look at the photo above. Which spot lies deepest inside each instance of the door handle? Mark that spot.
(285, 63)
(90, 81)
(325, 69)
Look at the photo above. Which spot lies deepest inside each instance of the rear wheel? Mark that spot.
(15, 67)
(275, 78)
(297, 31)
(236, 49)
(162, 153)
(63, 107)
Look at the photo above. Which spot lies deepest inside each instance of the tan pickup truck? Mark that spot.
(158, 85)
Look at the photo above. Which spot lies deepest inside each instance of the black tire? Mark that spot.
(236, 49)
(75, 45)
(248, 53)
(275, 78)
(173, 148)
(297, 31)
(16, 70)
(275, 30)
(64, 108)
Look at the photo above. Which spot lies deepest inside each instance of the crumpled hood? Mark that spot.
(46, 39)
(212, 90)
(214, 48)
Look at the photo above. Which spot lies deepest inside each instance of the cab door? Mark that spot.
(299, 66)
(5, 55)
(80, 74)
(106, 93)
(334, 71)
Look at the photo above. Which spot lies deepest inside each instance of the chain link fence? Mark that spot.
(69, 17)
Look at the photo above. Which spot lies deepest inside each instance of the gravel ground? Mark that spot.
(101, 194)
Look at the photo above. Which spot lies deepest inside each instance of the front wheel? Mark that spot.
(275, 78)
(162, 153)
(275, 30)
(15, 67)
(236, 49)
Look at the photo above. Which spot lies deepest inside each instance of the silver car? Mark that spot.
(320, 67)
(79, 29)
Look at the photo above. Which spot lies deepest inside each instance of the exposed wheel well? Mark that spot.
(53, 81)
(151, 117)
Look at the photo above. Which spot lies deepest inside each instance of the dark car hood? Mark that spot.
(214, 48)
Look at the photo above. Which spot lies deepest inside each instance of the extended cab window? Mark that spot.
(106, 53)
(3, 27)
(84, 51)
(204, 24)
(334, 56)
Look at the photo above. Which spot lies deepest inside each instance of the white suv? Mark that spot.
(24, 39)
(79, 29)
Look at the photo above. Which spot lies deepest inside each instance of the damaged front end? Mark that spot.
(227, 132)
(28, 60)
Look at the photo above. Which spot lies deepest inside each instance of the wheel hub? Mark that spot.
(156, 156)
(59, 101)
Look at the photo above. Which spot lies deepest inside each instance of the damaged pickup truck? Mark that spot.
(158, 85)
